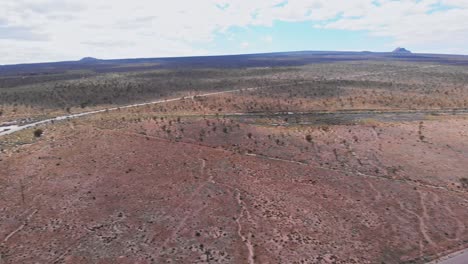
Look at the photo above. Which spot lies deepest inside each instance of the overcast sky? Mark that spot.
(53, 30)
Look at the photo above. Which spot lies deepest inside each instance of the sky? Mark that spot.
(57, 30)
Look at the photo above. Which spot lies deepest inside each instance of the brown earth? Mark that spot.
(220, 190)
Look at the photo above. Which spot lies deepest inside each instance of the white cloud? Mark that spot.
(41, 30)
(410, 23)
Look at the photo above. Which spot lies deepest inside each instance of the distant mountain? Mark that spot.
(277, 59)
(401, 51)
(89, 59)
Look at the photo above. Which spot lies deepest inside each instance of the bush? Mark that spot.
(38, 132)
(308, 138)
(464, 182)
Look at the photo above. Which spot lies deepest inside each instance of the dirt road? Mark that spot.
(460, 257)
(10, 129)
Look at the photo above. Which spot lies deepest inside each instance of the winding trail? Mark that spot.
(20, 227)
(244, 239)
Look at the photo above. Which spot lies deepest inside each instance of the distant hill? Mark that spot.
(401, 51)
(277, 59)
(89, 59)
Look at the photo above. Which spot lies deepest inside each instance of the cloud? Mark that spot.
(412, 23)
(71, 29)
(20, 33)
(108, 44)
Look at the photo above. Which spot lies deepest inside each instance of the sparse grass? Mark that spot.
(333, 86)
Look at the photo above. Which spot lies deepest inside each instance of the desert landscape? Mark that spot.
(268, 158)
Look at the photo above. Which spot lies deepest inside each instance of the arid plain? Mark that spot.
(352, 161)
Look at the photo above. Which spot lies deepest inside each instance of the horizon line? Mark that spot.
(228, 55)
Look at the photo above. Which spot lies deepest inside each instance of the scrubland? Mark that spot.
(345, 162)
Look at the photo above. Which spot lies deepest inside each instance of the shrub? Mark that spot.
(308, 138)
(38, 132)
(464, 182)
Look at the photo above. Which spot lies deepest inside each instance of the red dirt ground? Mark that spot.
(85, 194)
